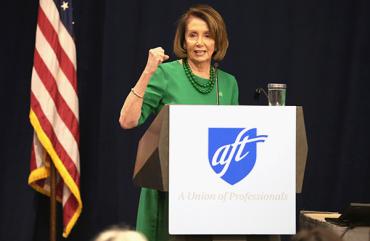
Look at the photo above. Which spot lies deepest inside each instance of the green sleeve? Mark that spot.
(235, 96)
(154, 94)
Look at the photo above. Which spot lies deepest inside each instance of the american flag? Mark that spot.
(54, 108)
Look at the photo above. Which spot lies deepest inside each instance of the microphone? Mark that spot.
(215, 66)
(258, 92)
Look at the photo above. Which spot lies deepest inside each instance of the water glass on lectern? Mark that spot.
(276, 94)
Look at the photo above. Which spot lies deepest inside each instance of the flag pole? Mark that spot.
(53, 202)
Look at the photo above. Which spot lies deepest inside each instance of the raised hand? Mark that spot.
(156, 57)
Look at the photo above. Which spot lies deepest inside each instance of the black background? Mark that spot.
(320, 48)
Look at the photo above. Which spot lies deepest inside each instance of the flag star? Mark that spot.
(64, 5)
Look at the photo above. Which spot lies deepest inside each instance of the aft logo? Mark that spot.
(232, 152)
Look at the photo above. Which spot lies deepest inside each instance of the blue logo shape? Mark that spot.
(232, 152)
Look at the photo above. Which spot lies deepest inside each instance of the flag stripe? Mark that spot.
(59, 149)
(68, 209)
(51, 15)
(63, 109)
(60, 186)
(49, 58)
(52, 37)
(33, 156)
(38, 151)
(60, 132)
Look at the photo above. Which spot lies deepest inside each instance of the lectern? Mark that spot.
(237, 168)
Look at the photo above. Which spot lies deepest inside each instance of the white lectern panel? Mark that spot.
(232, 170)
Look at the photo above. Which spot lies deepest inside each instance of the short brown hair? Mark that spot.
(216, 27)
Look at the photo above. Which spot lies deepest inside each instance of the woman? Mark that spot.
(200, 37)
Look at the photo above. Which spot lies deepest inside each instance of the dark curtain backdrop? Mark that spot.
(320, 48)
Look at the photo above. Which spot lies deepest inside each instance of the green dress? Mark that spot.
(169, 85)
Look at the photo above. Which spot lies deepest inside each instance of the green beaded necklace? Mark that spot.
(201, 88)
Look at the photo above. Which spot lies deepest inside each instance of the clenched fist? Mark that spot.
(156, 57)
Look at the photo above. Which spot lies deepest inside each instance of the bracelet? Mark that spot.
(136, 94)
